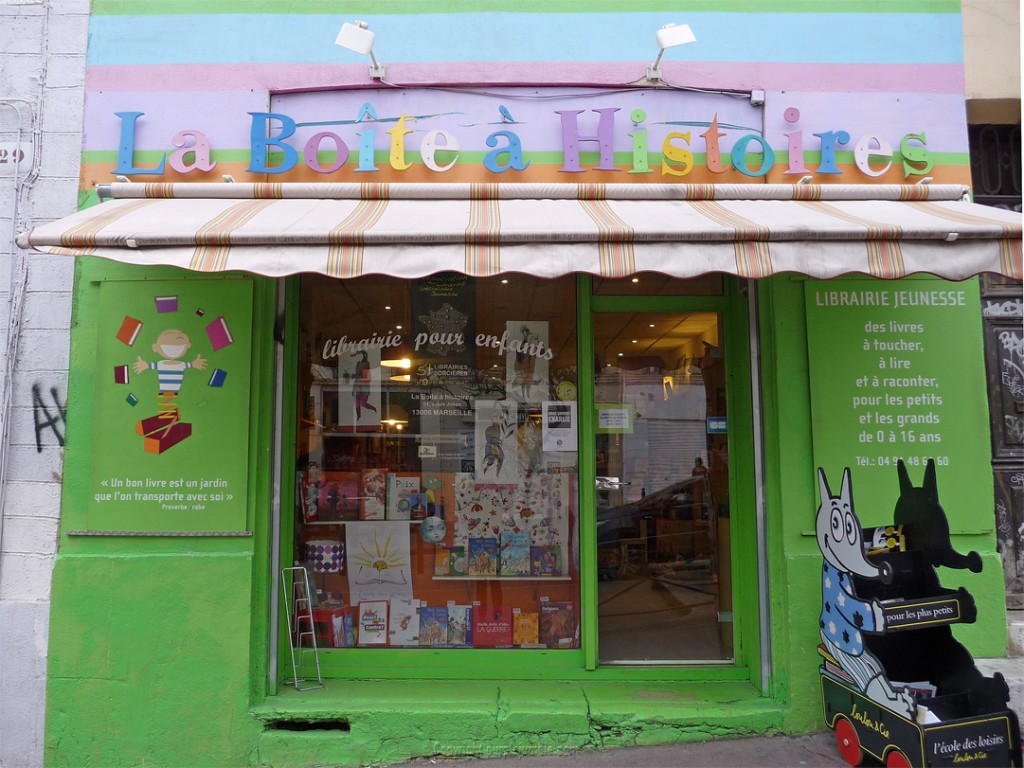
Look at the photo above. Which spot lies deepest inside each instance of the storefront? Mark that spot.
(529, 384)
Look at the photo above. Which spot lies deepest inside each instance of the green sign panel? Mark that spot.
(171, 429)
(897, 372)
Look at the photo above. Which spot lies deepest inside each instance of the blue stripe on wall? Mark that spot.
(755, 37)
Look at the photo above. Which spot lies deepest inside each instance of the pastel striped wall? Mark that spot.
(892, 67)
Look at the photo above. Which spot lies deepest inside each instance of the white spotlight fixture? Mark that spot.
(359, 39)
(669, 36)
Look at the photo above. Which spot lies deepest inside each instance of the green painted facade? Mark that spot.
(159, 646)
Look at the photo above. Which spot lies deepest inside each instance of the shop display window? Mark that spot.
(436, 471)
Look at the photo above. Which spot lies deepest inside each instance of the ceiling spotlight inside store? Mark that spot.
(359, 39)
(405, 362)
(669, 36)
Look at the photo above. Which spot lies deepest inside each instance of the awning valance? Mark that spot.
(612, 230)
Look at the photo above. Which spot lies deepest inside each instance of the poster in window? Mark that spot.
(378, 561)
(526, 361)
(497, 443)
(359, 390)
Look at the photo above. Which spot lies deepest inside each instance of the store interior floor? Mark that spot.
(661, 616)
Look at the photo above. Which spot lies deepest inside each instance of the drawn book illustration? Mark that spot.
(373, 622)
(546, 561)
(515, 553)
(483, 557)
(219, 333)
(404, 622)
(492, 626)
(129, 330)
(460, 624)
(558, 623)
(526, 628)
(434, 625)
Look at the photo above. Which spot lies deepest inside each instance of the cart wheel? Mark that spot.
(848, 743)
(896, 759)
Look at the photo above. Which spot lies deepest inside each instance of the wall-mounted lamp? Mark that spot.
(669, 36)
(359, 39)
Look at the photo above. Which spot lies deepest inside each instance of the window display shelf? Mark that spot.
(502, 578)
(358, 522)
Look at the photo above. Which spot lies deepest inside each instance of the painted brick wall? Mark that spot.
(42, 65)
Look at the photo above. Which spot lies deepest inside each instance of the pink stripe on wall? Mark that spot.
(919, 78)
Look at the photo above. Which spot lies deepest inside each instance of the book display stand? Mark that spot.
(896, 685)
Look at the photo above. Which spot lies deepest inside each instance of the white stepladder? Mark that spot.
(301, 631)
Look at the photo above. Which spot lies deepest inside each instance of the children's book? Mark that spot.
(546, 561)
(483, 556)
(342, 629)
(460, 625)
(418, 506)
(373, 622)
(525, 628)
(339, 496)
(557, 623)
(373, 493)
(434, 625)
(401, 489)
(442, 560)
(403, 622)
(457, 561)
(515, 553)
(492, 625)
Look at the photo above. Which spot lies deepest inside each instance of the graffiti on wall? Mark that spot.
(48, 415)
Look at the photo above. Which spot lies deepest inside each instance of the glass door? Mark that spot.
(662, 464)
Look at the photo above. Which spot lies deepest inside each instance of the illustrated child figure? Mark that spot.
(844, 616)
(171, 345)
(361, 388)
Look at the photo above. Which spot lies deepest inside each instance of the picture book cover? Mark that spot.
(558, 624)
(515, 553)
(417, 506)
(373, 622)
(338, 496)
(526, 628)
(403, 622)
(373, 494)
(442, 560)
(492, 626)
(460, 624)
(434, 625)
(483, 556)
(546, 561)
(401, 489)
(457, 561)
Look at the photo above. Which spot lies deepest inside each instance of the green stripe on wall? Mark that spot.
(401, 7)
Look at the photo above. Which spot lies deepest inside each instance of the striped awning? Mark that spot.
(612, 230)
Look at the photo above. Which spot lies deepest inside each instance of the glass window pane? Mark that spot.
(435, 505)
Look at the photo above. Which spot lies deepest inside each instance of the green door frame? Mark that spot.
(743, 513)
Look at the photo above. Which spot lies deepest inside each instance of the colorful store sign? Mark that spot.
(645, 135)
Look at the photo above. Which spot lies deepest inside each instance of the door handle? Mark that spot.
(611, 483)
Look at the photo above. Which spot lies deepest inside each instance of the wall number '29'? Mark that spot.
(12, 156)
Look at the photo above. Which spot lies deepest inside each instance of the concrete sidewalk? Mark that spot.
(811, 751)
